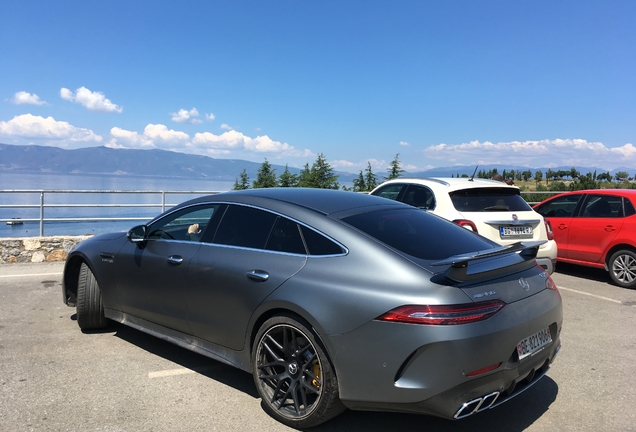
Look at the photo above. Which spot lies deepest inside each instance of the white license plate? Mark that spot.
(515, 231)
(534, 343)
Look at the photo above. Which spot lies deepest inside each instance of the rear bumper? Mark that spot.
(547, 256)
(425, 369)
(547, 264)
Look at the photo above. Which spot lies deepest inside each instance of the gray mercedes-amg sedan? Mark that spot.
(331, 299)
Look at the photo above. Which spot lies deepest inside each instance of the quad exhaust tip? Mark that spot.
(477, 405)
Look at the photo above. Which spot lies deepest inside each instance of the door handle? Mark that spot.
(562, 227)
(257, 275)
(610, 228)
(174, 260)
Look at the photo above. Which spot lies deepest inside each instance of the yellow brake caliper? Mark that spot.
(316, 371)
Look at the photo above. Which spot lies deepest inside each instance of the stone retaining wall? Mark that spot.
(37, 249)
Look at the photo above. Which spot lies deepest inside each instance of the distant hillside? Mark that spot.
(161, 163)
(103, 160)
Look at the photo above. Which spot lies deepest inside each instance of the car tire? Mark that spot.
(90, 310)
(622, 268)
(293, 375)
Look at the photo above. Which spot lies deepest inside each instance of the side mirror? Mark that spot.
(137, 235)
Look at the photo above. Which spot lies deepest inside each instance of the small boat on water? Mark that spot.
(14, 221)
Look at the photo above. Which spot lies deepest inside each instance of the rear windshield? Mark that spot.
(488, 200)
(418, 233)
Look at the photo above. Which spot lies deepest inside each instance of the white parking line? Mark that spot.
(170, 372)
(180, 371)
(590, 295)
(31, 275)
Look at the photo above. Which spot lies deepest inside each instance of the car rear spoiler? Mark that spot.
(491, 262)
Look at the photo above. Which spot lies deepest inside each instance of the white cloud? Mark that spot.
(153, 136)
(25, 98)
(232, 139)
(185, 116)
(546, 153)
(161, 132)
(210, 117)
(93, 101)
(30, 126)
(341, 163)
(404, 144)
(226, 126)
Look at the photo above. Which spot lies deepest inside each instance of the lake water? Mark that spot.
(40, 181)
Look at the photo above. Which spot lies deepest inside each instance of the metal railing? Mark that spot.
(162, 205)
(43, 205)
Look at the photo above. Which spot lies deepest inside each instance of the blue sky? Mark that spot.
(536, 84)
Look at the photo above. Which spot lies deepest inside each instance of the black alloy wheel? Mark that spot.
(293, 375)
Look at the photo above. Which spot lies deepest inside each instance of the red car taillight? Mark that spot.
(465, 223)
(548, 229)
(443, 314)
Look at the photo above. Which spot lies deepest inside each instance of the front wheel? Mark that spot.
(90, 310)
(293, 375)
(622, 268)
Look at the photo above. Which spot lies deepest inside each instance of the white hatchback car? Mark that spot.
(489, 207)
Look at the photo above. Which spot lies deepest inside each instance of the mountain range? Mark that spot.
(154, 163)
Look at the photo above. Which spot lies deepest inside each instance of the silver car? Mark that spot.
(331, 299)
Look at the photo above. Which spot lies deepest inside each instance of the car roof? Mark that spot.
(622, 192)
(326, 201)
(453, 183)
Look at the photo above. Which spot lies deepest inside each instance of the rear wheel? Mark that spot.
(622, 268)
(293, 375)
(90, 310)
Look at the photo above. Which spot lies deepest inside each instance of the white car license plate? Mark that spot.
(534, 343)
(515, 231)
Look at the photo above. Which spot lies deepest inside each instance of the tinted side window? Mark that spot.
(628, 207)
(599, 206)
(187, 224)
(390, 191)
(245, 226)
(285, 237)
(319, 244)
(419, 196)
(559, 207)
(419, 233)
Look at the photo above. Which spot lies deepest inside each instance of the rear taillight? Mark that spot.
(443, 314)
(548, 229)
(465, 223)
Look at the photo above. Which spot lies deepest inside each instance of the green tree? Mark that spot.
(538, 175)
(287, 179)
(358, 184)
(370, 179)
(587, 181)
(395, 169)
(320, 175)
(244, 182)
(527, 174)
(621, 176)
(266, 176)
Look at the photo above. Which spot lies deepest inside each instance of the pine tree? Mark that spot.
(320, 175)
(395, 169)
(359, 184)
(370, 179)
(287, 179)
(266, 176)
(244, 182)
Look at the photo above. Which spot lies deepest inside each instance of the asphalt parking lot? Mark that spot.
(53, 377)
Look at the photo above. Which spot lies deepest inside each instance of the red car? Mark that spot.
(596, 228)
